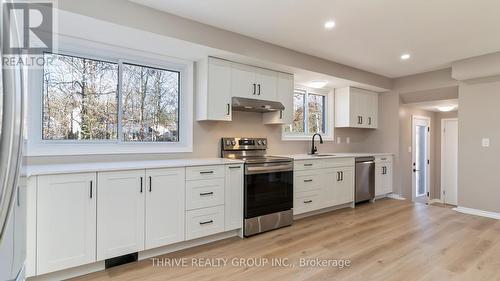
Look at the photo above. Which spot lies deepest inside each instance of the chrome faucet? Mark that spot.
(314, 149)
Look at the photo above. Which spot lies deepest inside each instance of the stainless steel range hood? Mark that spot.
(254, 105)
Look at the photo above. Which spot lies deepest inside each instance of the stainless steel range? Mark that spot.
(268, 184)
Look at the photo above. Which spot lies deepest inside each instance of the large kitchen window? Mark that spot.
(110, 100)
(310, 112)
(81, 101)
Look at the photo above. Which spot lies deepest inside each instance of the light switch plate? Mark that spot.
(485, 142)
(348, 140)
(339, 139)
(409, 149)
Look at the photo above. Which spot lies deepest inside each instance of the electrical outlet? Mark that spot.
(348, 140)
(485, 142)
(339, 139)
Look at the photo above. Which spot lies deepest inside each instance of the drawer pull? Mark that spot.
(206, 193)
(383, 158)
(206, 172)
(234, 167)
(206, 222)
(308, 165)
(308, 180)
(307, 201)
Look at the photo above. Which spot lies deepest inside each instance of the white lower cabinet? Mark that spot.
(66, 221)
(233, 208)
(204, 222)
(120, 218)
(383, 175)
(82, 218)
(322, 183)
(165, 207)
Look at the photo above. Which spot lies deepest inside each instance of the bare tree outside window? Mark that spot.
(316, 113)
(309, 112)
(150, 99)
(79, 99)
(298, 124)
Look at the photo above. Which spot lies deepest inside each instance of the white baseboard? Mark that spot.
(477, 212)
(395, 196)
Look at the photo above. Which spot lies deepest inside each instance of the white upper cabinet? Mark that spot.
(213, 90)
(285, 96)
(120, 221)
(356, 108)
(66, 221)
(253, 82)
(165, 205)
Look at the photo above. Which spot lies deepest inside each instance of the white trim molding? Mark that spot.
(476, 212)
(395, 196)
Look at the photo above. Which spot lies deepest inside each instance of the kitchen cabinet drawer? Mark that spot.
(308, 182)
(204, 222)
(204, 172)
(301, 165)
(306, 202)
(204, 193)
(383, 158)
(337, 162)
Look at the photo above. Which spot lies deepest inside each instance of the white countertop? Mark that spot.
(333, 155)
(36, 170)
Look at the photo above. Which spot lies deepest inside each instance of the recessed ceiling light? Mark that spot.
(446, 108)
(329, 24)
(317, 84)
(405, 56)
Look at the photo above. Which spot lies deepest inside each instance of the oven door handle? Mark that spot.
(269, 169)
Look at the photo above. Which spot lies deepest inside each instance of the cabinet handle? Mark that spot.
(206, 222)
(91, 189)
(259, 90)
(254, 88)
(307, 201)
(19, 198)
(308, 165)
(342, 176)
(369, 120)
(361, 117)
(281, 114)
(359, 120)
(234, 167)
(141, 184)
(338, 176)
(206, 193)
(228, 109)
(150, 183)
(206, 172)
(308, 180)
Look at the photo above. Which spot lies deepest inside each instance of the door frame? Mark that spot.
(442, 198)
(413, 156)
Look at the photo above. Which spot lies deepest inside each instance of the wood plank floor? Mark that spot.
(387, 240)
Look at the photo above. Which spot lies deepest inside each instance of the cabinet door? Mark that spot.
(165, 207)
(267, 84)
(388, 179)
(344, 191)
(243, 81)
(219, 90)
(372, 111)
(380, 179)
(356, 106)
(66, 221)
(120, 221)
(285, 96)
(234, 197)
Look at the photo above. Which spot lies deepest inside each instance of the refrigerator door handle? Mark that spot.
(11, 139)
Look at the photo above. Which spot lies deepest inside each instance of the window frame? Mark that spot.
(36, 146)
(328, 116)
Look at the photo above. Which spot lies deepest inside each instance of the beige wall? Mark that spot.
(207, 135)
(478, 181)
(436, 192)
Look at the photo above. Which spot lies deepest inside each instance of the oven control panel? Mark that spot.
(244, 143)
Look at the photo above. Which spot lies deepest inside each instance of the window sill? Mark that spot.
(305, 138)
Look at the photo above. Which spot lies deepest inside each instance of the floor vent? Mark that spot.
(109, 263)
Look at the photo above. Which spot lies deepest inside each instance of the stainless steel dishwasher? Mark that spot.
(365, 179)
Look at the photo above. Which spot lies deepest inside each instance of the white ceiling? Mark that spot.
(435, 105)
(369, 34)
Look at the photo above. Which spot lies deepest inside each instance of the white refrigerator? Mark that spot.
(12, 202)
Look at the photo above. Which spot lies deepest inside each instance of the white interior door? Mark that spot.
(420, 158)
(449, 160)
